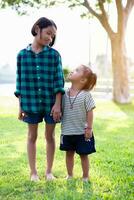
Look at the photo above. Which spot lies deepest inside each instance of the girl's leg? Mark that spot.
(85, 166)
(50, 146)
(70, 162)
(31, 147)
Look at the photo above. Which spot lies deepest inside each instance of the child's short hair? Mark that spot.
(42, 23)
(90, 76)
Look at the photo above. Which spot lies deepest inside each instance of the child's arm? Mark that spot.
(89, 106)
(88, 129)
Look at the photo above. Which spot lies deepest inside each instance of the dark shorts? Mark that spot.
(77, 143)
(35, 118)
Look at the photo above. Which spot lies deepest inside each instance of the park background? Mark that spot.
(79, 41)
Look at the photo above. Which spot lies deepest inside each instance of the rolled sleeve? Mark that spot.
(17, 93)
(59, 78)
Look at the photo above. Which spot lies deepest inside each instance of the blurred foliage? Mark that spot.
(21, 6)
(66, 72)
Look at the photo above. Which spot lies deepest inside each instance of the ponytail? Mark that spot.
(91, 78)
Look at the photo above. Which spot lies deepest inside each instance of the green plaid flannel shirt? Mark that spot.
(39, 79)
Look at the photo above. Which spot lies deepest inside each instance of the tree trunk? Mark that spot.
(121, 92)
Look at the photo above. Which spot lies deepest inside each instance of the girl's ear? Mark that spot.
(36, 29)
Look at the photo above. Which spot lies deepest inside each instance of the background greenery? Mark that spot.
(111, 169)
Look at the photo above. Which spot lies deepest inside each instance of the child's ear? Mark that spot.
(83, 80)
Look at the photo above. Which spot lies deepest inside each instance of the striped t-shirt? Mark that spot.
(74, 120)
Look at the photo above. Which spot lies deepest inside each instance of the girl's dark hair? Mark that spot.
(43, 22)
(91, 78)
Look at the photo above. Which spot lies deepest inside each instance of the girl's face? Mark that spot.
(45, 36)
(76, 74)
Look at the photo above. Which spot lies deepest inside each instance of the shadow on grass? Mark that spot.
(68, 189)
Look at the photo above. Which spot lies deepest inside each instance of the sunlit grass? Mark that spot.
(112, 169)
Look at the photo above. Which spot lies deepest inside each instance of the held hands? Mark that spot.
(56, 112)
(88, 133)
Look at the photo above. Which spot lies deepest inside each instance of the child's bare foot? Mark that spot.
(85, 179)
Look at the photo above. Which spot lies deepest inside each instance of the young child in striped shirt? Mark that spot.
(77, 119)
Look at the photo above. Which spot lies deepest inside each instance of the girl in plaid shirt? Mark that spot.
(39, 87)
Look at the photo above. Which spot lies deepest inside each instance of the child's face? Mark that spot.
(46, 35)
(76, 74)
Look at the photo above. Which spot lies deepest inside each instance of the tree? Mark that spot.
(97, 8)
(101, 63)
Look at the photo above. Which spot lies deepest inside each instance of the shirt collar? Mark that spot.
(29, 48)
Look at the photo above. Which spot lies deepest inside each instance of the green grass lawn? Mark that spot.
(112, 166)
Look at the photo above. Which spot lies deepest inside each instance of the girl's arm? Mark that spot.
(56, 109)
(58, 89)
(18, 77)
(21, 113)
(59, 77)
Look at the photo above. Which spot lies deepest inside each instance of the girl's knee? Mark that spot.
(32, 137)
(32, 132)
(49, 137)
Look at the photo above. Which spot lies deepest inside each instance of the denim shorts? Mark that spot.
(78, 144)
(35, 118)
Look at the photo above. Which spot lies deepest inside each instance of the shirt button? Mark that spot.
(39, 89)
(40, 100)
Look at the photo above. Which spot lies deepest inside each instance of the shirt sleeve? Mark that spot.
(89, 102)
(18, 77)
(59, 77)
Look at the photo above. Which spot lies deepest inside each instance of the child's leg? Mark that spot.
(50, 146)
(70, 162)
(85, 165)
(31, 147)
